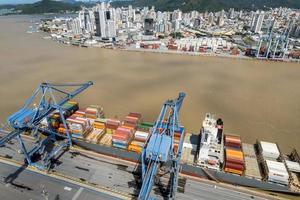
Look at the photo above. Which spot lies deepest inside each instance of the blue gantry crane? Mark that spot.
(159, 152)
(48, 98)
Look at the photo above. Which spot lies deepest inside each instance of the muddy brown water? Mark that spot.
(256, 99)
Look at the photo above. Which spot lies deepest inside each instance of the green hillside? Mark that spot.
(212, 5)
(47, 6)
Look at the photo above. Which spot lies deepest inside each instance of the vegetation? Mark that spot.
(51, 6)
(176, 35)
(48, 6)
(212, 5)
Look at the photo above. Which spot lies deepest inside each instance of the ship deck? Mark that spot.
(110, 177)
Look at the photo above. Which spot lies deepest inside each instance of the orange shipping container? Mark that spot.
(235, 153)
(134, 148)
(234, 171)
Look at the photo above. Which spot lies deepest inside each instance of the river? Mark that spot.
(256, 99)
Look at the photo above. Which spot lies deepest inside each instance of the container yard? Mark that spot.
(203, 45)
(212, 153)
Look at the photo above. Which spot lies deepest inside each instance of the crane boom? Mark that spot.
(49, 98)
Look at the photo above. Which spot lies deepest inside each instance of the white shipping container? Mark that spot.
(269, 150)
(277, 172)
(293, 166)
(141, 135)
(278, 180)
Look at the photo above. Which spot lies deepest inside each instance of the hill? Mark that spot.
(211, 5)
(48, 6)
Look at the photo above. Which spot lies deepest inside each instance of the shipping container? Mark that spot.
(293, 166)
(233, 171)
(276, 172)
(141, 136)
(269, 150)
(233, 141)
(134, 148)
(95, 135)
(106, 140)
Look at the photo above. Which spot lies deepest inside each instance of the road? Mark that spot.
(101, 171)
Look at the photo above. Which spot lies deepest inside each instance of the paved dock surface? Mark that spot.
(18, 183)
(97, 170)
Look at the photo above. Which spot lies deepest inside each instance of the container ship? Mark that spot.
(57, 122)
(211, 153)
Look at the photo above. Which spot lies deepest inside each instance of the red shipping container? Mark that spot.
(234, 166)
(129, 125)
(235, 145)
(131, 119)
(121, 136)
(137, 115)
(235, 160)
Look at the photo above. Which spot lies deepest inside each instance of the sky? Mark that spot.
(18, 1)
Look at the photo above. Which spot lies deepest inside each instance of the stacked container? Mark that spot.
(79, 113)
(234, 161)
(276, 172)
(141, 136)
(79, 127)
(95, 135)
(233, 141)
(122, 137)
(106, 140)
(112, 125)
(100, 123)
(55, 121)
(234, 157)
(176, 140)
(94, 112)
(268, 150)
(132, 120)
(70, 107)
(145, 126)
(138, 142)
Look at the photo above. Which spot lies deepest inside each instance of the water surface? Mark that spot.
(256, 99)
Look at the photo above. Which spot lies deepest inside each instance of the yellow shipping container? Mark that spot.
(110, 131)
(233, 171)
(99, 125)
(134, 148)
(72, 102)
(231, 152)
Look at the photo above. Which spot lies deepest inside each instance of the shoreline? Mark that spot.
(187, 53)
(176, 52)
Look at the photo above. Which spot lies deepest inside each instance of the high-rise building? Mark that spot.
(100, 23)
(177, 15)
(221, 18)
(198, 23)
(104, 21)
(74, 26)
(176, 25)
(111, 29)
(148, 25)
(89, 21)
(231, 13)
(210, 18)
(241, 14)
